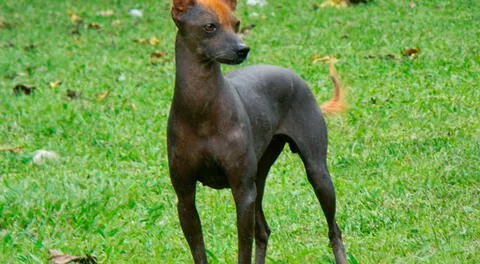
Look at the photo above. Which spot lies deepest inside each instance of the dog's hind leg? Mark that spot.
(319, 178)
(262, 231)
(307, 134)
(314, 157)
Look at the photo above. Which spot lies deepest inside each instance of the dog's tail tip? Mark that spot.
(333, 107)
(337, 104)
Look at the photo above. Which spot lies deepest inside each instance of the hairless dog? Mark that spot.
(227, 131)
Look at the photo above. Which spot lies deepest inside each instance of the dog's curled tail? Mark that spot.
(337, 104)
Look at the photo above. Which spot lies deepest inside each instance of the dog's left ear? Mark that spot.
(231, 3)
(180, 7)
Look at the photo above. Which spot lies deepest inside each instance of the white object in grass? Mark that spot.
(257, 2)
(41, 156)
(135, 12)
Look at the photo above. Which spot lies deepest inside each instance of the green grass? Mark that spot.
(404, 159)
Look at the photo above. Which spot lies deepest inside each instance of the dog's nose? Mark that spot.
(243, 51)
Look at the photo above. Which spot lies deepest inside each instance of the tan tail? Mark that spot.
(337, 104)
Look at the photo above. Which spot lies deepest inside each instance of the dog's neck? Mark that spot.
(197, 82)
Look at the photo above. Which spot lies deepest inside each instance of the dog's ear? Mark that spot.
(180, 7)
(231, 3)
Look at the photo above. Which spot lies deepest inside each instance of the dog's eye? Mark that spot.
(209, 28)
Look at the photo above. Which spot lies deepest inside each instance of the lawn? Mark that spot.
(404, 158)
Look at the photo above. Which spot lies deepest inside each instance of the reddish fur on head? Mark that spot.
(222, 8)
(219, 7)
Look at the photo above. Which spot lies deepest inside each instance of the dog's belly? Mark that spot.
(213, 177)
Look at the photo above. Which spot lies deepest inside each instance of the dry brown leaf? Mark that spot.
(132, 106)
(57, 257)
(412, 5)
(30, 47)
(93, 25)
(140, 40)
(54, 84)
(116, 22)
(16, 150)
(103, 95)
(24, 89)
(411, 52)
(157, 57)
(386, 57)
(158, 54)
(335, 3)
(5, 24)
(75, 31)
(152, 41)
(247, 29)
(73, 94)
(9, 44)
(76, 19)
(105, 13)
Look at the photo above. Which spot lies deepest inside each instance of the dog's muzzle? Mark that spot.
(242, 53)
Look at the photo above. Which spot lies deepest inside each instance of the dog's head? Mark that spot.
(209, 29)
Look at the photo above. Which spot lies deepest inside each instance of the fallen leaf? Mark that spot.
(16, 150)
(390, 56)
(157, 56)
(152, 41)
(247, 29)
(24, 89)
(387, 57)
(132, 106)
(75, 31)
(105, 13)
(5, 25)
(116, 22)
(73, 94)
(11, 75)
(58, 257)
(54, 84)
(76, 19)
(103, 95)
(8, 45)
(93, 25)
(412, 5)
(411, 52)
(29, 47)
(335, 3)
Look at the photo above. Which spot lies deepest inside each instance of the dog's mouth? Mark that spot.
(235, 57)
(232, 61)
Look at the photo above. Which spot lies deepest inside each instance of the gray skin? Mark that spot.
(227, 131)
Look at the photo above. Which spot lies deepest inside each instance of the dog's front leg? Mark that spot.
(244, 194)
(190, 221)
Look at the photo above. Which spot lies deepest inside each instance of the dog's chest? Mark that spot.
(213, 176)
